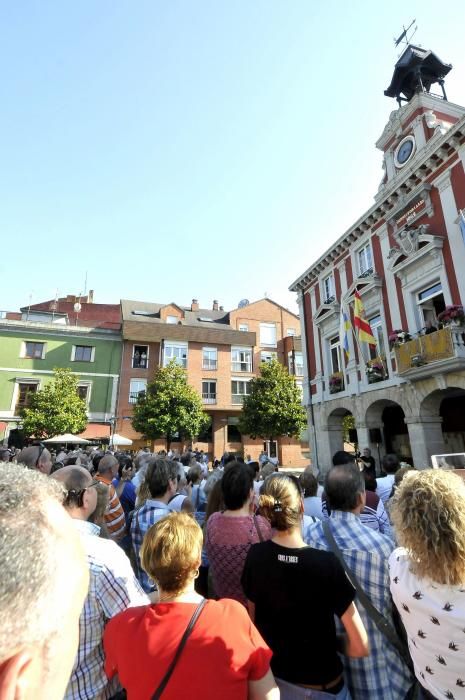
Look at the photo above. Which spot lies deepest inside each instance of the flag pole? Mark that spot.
(357, 342)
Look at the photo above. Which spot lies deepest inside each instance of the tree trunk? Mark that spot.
(168, 442)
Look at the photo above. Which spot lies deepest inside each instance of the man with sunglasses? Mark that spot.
(113, 587)
(36, 457)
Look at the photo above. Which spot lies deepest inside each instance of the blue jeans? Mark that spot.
(289, 691)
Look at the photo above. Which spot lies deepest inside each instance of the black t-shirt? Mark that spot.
(296, 593)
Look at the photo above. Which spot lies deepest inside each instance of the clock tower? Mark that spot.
(422, 116)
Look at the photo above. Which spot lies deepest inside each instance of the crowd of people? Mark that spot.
(161, 576)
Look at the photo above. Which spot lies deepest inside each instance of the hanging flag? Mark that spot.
(462, 224)
(365, 334)
(343, 335)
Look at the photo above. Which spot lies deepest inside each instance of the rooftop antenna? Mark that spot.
(404, 37)
(85, 285)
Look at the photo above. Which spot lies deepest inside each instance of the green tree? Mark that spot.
(274, 406)
(348, 423)
(169, 407)
(55, 409)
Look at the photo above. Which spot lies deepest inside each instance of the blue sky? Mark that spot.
(205, 149)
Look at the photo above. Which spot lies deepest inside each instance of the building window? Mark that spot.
(25, 391)
(290, 332)
(335, 354)
(208, 391)
(175, 351)
(34, 351)
(83, 391)
(243, 327)
(172, 319)
(376, 325)
(137, 387)
(268, 355)
(239, 389)
(328, 289)
(241, 359)
(140, 357)
(365, 261)
(430, 303)
(299, 364)
(234, 434)
(268, 335)
(209, 358)
(82, 353)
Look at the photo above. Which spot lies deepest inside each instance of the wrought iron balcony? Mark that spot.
(441, 351)
(209, 398)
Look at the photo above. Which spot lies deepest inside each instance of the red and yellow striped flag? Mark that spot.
(361, 324)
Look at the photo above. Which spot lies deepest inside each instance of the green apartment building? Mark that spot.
(29, 352)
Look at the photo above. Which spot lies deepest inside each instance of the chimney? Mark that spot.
(195, 305)
(90, 296)
(215, 304)
(221, 308)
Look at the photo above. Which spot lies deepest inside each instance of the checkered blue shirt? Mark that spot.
(142, 520)
(112, 588)
(381, 675)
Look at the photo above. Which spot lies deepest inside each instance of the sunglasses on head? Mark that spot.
(41, 447)
(77, 495)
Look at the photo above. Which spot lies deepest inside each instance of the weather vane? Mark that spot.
(404, 36)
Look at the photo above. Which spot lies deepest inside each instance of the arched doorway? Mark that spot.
(387, 429)
(447, 408)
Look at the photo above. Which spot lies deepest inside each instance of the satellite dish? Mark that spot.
(242, 303)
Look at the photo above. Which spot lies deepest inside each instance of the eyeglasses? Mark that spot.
(77, 495)
(41, 447)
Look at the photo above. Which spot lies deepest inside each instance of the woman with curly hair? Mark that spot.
(428, 577)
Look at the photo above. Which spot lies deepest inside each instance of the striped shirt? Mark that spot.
(382, 674)
(143, 518)
(114, 514)
(112, 589)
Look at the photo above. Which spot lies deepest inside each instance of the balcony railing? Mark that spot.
(134, 395)
(209, 364)
(241, 366)
(237, 398)
(139, 363)
(209, 398)
(445, 344)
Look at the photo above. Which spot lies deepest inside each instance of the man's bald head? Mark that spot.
(344, 487)
(108, 465)
(36, 457)
(41, 556)
(73, 477)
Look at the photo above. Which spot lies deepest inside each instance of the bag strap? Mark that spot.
(258, 528)
(164, 682)
(373, 613)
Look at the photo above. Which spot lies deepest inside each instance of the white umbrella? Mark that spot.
(116, 439)
(68, 437)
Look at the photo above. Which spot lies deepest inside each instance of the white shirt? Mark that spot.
(434, 619)
(384, 487)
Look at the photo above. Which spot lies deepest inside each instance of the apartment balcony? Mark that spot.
(209, 398)
(435, 353)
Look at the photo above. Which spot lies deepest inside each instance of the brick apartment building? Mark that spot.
(405, 257)
(221, 351)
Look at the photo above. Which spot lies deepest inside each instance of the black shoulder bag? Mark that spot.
(373, 613)
(165, 680)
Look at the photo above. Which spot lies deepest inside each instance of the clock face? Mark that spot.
(404, 151)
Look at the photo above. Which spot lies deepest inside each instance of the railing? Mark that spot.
(336, 382)
(139, 363)
(209, 398)
(443, 344)
(134, 395)
(241, 366)
(209, 364)
(366, 273)
(237, 398)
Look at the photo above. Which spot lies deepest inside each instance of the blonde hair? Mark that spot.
(428, 512)
(281, 501)
(171, 551)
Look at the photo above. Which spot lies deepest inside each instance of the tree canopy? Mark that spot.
(55, 409)
(169, 407)
(274, 406)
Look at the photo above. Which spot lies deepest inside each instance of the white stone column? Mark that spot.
(330, 440)
(419, 131)
(426, 439)
(450, 213)
(389, 278)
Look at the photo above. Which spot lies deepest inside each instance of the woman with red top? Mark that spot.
(141, 643)
(231, 533)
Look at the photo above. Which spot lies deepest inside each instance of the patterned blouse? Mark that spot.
(227, 541)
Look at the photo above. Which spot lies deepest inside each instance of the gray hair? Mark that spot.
(33, 573)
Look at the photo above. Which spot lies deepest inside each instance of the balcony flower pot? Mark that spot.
(399, 337)
(336, 384)
(453, 315)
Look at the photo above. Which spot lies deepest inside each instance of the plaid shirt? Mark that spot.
(382, 674)
(142, 520)
(112, 588)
